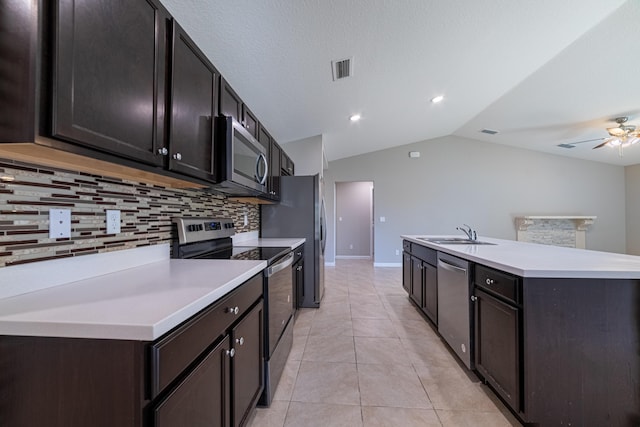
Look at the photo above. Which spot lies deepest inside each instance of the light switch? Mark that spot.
(383, 219)
(59, 223)
(113, 221)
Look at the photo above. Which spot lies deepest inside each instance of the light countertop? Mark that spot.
(536, 260)
(139, 303)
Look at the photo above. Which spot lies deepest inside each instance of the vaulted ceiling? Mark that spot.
(540, 72)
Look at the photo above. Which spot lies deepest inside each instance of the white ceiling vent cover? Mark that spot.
(342, 68)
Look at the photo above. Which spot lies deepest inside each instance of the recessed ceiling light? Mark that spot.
(355, 117)
(437, 99)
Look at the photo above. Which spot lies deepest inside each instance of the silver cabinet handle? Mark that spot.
(231, 352)
(298, 253)
(233, 310)
(474, 298)
(177, 156)
(163, 151)
(299, 268)
(240, 340)
(490, 282)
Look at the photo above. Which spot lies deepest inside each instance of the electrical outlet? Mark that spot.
(383, 219)
(397, 251)
(113, 221)
(350, 246)
(59, 223)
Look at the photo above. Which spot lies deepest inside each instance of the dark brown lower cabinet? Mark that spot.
(247, 364)
(406, 272)
(430, 296)
(420, 278)
(201, 399)
(417, 282)
(498, 346)
(206, 372)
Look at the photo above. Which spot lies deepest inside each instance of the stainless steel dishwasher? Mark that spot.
(454, 308)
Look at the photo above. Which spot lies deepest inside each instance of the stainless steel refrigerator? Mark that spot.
(301, 213)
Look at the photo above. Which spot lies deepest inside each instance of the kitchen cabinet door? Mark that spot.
(275, 153)
(202, 398)
(406, 272)
(287, 168)
(194, 86)
(417, 281)
(248, 364)
(430, 297)
(109, 76)
(230, 102)
(250, 121)
(498, 346)
(231, 105)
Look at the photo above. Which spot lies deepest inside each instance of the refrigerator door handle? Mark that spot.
(323, 226)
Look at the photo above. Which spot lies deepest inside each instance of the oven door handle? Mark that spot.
(280, 265)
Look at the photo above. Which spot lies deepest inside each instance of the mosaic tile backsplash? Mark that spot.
(27, 192)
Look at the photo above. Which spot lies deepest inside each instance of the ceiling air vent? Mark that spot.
(342, 68)
(489, 131)
(566, 146)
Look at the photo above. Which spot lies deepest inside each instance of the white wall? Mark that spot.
(458, 180)
(307, 155)
(632, 176)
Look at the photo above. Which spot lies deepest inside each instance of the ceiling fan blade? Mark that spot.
(601, 145)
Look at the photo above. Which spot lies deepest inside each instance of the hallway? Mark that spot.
(367, 358)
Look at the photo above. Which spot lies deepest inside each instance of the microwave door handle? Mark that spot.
(262, 179)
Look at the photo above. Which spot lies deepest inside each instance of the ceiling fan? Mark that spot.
(621, 136)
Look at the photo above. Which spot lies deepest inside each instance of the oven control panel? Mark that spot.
(197, 229)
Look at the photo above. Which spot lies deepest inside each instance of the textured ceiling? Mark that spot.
(541, 72)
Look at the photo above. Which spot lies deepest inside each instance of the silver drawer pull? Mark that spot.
(240, 340)
(231, 352)
(233, 310)
(490, 282)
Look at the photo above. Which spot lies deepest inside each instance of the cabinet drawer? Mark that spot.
(178, 349)
(498, 282)
(426, 254)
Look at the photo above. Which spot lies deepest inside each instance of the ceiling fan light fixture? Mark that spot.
(618, 131)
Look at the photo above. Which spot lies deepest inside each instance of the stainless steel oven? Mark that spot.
(241, 161)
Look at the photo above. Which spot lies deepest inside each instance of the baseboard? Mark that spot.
(353, 257)
(387, 264)
(330, 264)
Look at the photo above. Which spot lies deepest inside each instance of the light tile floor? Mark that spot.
(368, 358)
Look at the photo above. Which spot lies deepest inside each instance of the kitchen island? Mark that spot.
(555, 331)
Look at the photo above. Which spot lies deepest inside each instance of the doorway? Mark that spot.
(354, 219)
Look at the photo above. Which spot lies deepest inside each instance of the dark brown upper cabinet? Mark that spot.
(275, 171)
(192, 107)
(287, 166)
(274, 163)
(109, 76)
(231, 105)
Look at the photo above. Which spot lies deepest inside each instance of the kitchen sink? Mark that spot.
(453, 241)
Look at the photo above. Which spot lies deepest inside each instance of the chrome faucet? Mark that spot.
(470, 232)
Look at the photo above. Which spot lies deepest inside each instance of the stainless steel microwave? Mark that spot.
(241, 161)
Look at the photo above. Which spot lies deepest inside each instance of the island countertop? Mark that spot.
(536, 260)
